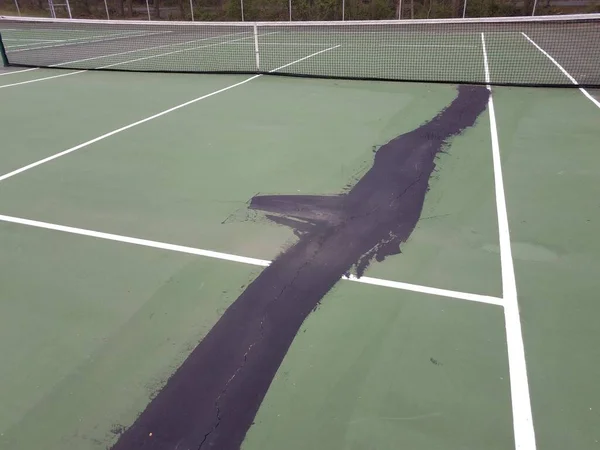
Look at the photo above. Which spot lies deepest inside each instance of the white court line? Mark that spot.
(243, 259)
(524, 432)
(301, 44)
(146, 48)
(302, 59)
(568, 75)
(35, 40)
(428, 45)
(147, 119)
(428, 290)
(9, 48)
(86, 40)
(54, 30)
(314, 44)
(73, 41)
(18, 71)
(41, 79)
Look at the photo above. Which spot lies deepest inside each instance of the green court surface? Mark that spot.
(107, 285)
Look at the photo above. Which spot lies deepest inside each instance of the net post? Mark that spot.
(192, 9)
(465, 9)
(290, 9)
(242, 8)
(148, 9)
(17, 5)
(105, 7)
(256, 52)
(69, 9)
(534, 6)
(3, 53)
(343, 9)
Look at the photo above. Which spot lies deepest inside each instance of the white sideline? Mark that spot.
(243, 259)
(567, 74)
(147, 119)
(524, 433)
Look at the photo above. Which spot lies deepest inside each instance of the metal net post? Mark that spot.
(106, 7)
(17, 5)
(192, 9)
(148, 9)
(3, 53)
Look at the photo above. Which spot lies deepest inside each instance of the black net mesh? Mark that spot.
(559, 51)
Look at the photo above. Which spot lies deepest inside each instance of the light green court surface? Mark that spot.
(90, 329)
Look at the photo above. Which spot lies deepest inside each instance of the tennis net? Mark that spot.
(530, 51)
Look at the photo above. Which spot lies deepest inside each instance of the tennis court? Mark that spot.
(172, 242)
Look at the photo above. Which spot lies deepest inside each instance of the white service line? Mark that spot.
(524, 433)
(306, 57)
(241, 259)
(147, 119)
(315, 44)
(478, 298)
(427, 45)
(41, 79)
(300, 44)
(18, 71)
(567, 74)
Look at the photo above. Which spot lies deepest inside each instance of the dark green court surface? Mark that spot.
(123, 252)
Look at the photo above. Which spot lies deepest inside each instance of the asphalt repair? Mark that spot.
(210, 402)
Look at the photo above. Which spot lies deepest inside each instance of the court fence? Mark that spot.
(293, 10)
